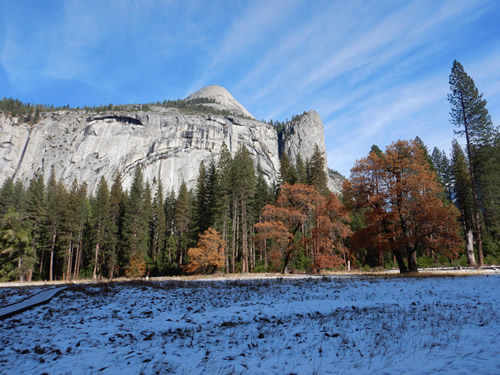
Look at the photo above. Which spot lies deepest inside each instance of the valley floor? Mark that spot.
(335, 324)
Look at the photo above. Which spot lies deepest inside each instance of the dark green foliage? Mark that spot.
(101, 220)
(135, 220)
(17, 256)
(443, 169)
(469, 114)
(117, 254)
(288, 174)
(462, 188)
(301, 170)
(182, 218)
(158, 233)
(468, 108)
(427, 156)
(205, 197)
(7, 196)
(316, 174)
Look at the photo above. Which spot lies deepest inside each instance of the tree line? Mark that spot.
(402, 207)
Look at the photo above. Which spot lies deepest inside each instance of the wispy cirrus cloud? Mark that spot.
(374, 71)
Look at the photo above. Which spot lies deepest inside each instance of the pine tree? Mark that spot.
(301, 169)
(116, 256)
(223, 192)
(6, 196)
(148, 218)
(288, 174)
(316, 175)
(54, 217)
(170, 247)
(135, 224)
(469, 114)
(101, 225)
(36, 214)
(17, 257)
(443, 169)
(200, 201)
(158, 230)
(243, 183)
(462, 192)
(182, 221)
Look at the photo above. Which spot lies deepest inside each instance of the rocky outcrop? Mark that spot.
(224, 99)
(300, 137)
(168, 145)
(165, 142)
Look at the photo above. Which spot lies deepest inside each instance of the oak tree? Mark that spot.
(404, 212)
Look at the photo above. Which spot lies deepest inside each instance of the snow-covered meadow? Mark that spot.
(310, 325)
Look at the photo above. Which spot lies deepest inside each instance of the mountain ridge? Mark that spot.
(165, 142)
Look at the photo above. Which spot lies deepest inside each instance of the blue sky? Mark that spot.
(375, 71)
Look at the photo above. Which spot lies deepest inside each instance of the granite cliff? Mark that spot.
(168, 143)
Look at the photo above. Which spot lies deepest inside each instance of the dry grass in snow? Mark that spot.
(322, 325)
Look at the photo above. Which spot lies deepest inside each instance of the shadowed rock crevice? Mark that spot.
(123, 119)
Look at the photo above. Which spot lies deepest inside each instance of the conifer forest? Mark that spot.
(403, 207)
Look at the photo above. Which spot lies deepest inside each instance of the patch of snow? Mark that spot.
(330, 325)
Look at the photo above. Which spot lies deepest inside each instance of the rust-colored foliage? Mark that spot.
(299, 206)
(404, 210)
(136, 267)
(329, 233)
(209, 255)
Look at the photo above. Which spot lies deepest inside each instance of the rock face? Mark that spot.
(224, 99)
(166, 143)
(300, 137)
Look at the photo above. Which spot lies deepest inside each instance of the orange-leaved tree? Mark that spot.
(282, 220)
(403, 209)
(209, 255)
(299, 206)
(329, 234)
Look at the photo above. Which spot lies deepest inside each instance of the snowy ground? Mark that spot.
(324, 325)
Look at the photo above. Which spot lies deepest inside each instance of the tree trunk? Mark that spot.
(412, 261)
(20, 266)
(54, 235)
(476, 216)
(94, 275)
(470, 248)
(79, 258)
(244, 238)
(76, 267)
(70, 256)
(233, 242)
(400, 260)
(42, 255)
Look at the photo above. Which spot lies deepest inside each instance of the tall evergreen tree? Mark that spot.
(36, 214)
(17, 256)
(316, 175)
(288, 174)
(7, 196)
(223, 192)
(116, 254)
(101, 226)
(442, 167)
(54, 217)
(135, 226)
(469, 114)
(462, 193)
(301, 169)
(158, 230)
(182, 218)
(243, 183)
